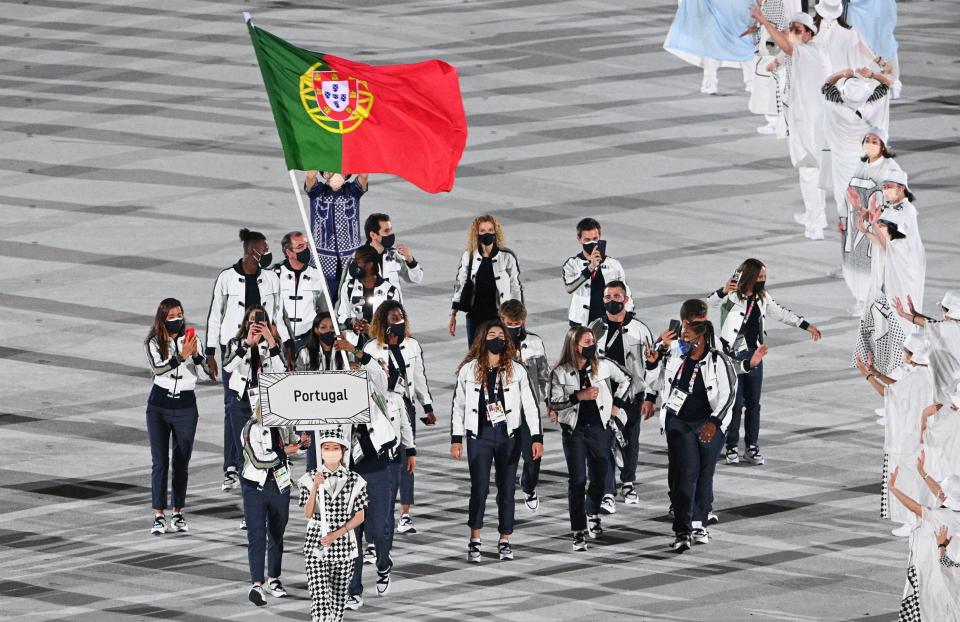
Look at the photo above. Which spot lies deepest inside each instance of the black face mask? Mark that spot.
(356, 271)
(304, 256)
(327, 338)
(517, 333)
(265, 260)
(589, 352)
(174, 327)
(396, 330)
(487, 238)
(588, 248)
(496, 345)
(613, 307)
(388, 241)
(758, 286)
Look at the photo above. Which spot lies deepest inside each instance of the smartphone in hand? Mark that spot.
(675, 327)
(189, 334)
(602, 245)
(259, 316)
(736, 276)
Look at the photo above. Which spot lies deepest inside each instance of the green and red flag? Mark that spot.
(335, 114)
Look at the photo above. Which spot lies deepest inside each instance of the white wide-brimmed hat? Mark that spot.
(806, 20)
(919, 349)
(856, 91)
(830, 9)
(951, 302)
(880, 133)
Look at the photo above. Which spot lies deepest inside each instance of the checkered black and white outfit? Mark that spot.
(329, 571)
(910, 604)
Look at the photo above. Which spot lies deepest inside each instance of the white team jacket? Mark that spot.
(533, 355)
(634, 334)
(733, 308)
(237, 362)
(173, 374)
(412, 385)
(227, 305)
(565, 382)
(302, 299)
(506, 273)
(258, 453)
(350, 304)
(518, 401)
(393, 268)
(719, 379)
(576, 279)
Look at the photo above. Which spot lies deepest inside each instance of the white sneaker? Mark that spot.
(732, 456)
(753, 455)
(903, 531)
(370, 555)
(231, 481)
(532, 501)
(712, 519)
(629, 493)
(275, 588)
(700, 536)
(579, 541)
(505, 550)
(473, 551)
(354, 602)
(178, 524)
(405, 524)
(159, 525)
(769, 129)
(594, 530)
(813, 234)
(608, 505)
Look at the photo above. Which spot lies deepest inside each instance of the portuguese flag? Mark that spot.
(338, 115)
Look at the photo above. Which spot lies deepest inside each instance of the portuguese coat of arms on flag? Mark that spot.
(335, 114)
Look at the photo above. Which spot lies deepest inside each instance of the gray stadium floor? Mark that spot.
(136, 140)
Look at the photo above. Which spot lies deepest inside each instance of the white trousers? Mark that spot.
(711, 66)
(814, 198)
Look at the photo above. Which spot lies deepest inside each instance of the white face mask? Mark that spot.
(332, 456)
(892, 195)
(336, 181)
(872, 150)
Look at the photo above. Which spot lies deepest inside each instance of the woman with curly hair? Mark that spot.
(488, 276)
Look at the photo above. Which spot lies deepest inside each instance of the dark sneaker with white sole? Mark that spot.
(629, 493)
(681, 543)
(257, 596)
(178, 524)
(505, 550)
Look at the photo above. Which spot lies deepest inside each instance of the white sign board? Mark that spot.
(314, 398)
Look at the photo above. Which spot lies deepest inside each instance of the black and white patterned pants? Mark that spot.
(327, 581)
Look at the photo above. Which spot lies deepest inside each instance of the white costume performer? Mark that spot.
(706, 33)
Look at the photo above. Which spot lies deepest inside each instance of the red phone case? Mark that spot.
(190, 334)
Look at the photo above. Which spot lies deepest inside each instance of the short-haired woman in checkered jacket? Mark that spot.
(333, 498)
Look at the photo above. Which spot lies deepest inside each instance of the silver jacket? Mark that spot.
(565, 382)
(578, 284)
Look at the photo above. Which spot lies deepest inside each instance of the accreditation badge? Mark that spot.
(495, 413)
(676, 399)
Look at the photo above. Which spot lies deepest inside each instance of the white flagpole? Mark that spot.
(308, 233)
